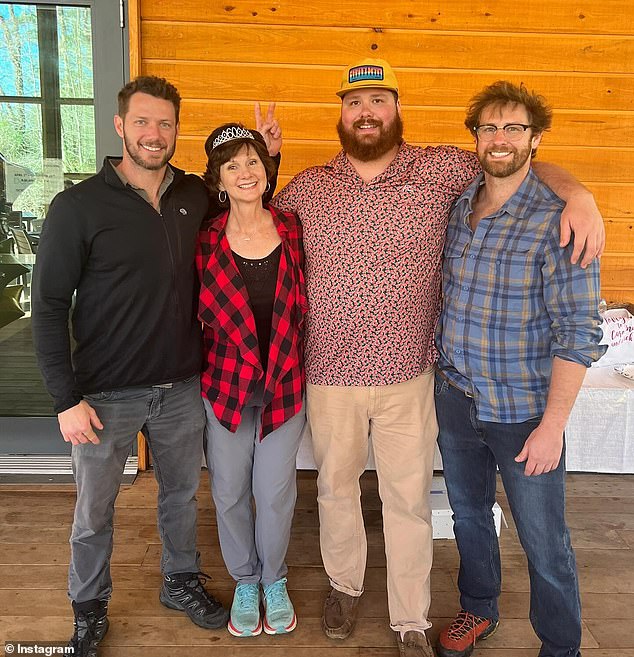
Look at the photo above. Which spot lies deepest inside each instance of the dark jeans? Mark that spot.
(471, 449)
(172, 419)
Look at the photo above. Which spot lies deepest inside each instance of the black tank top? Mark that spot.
(260, 279)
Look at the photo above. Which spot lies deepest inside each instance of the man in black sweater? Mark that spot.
(124, 242)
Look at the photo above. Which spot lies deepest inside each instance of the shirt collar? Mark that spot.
(167, 179)
(341, 165)
(515, 205)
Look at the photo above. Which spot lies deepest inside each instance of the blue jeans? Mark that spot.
(471, 449)
(172, 420)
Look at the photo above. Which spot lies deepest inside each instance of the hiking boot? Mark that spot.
(413, 644)
(245, 611)
(186, 592)
(279, 614)
(340, 614)
(459, 638)
(91, 625)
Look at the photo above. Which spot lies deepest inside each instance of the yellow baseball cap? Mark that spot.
(368, 73)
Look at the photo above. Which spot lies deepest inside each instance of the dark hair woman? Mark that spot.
(252, 305)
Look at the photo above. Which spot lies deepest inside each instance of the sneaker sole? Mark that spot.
(444, 652)
(281, 630)
(245, 633)
(216, 622)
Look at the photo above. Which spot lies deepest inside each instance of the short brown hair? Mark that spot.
(153, 86)
(222, 153)
(503, 93)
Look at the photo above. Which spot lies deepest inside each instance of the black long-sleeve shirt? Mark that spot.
(134, 319)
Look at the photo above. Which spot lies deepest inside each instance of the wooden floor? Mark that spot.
(34, 529)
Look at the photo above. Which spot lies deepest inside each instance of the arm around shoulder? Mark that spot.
(581, 215)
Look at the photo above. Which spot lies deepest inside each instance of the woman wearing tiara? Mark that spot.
(252, 306)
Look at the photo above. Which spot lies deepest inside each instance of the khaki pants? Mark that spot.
(402, 422)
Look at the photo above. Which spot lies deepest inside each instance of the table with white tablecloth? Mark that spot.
(600, 431)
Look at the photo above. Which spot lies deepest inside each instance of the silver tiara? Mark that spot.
(229, 134)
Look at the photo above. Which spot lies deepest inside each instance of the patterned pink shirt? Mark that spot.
(373, 262)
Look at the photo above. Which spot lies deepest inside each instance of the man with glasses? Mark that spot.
(518, 328)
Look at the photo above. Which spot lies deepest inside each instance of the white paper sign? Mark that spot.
(52, 177)
(618, 334)
(17, 179)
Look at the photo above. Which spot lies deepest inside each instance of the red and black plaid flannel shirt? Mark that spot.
(233, 369)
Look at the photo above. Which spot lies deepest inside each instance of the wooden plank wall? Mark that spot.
(223, 56)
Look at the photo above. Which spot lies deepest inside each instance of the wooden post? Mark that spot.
(144, 459)
(134, 31)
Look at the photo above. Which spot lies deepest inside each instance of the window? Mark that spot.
(46, 97)
(57, 99)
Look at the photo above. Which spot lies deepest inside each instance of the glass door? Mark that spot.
(61, 65)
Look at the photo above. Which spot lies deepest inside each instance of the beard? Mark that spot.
(504, 169)
(368, 149)
(136, 154)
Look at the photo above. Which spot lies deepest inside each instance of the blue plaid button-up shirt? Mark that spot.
(512, 301)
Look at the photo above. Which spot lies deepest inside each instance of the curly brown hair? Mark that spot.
(503, 93)
(218, 156)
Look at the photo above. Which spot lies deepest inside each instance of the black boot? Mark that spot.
(91, 625)
(186, 592)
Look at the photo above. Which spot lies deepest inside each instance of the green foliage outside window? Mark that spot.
(22, 66)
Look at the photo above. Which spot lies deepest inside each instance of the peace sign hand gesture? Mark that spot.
(269, 128)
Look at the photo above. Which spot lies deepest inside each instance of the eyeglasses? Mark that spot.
(512, 131)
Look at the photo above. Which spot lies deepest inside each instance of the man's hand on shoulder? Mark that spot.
(581, 216)
(541, 451)
(76, 424)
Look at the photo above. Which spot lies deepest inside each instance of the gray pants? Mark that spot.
(243, 469)
(172, 419)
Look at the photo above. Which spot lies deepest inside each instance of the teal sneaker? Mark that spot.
(245, 611)
(279, 615)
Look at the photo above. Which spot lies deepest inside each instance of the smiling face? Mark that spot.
(370, 125)
(500, 157)
(149, 131)
(243, 176)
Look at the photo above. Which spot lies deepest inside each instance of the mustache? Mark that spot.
(375, 123)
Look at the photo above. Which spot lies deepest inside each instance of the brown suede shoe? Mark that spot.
(340, 614)
(413, 644)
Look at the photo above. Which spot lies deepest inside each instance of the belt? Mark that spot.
(453, 385)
